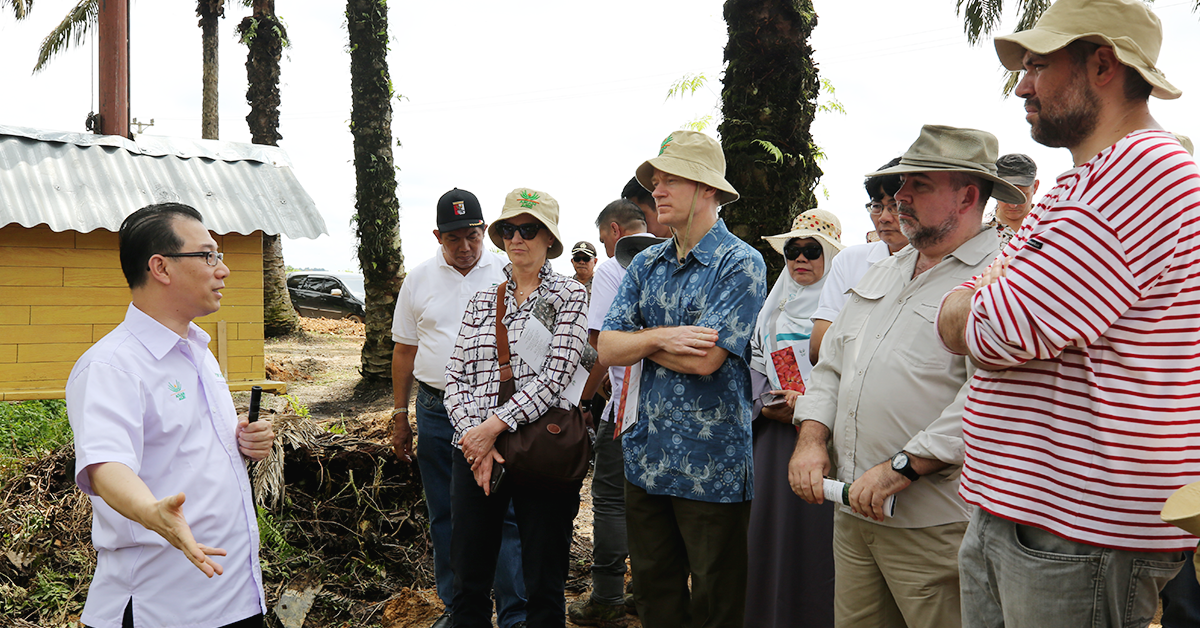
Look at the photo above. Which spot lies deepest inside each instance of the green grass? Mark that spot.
(30, 429)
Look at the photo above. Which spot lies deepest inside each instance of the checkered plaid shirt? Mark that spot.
(473, 374)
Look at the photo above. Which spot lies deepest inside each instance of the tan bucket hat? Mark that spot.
(694, 156)
(950, 149)
(540, 205)
(1183, 508)
(1129, 26)
(814, 223)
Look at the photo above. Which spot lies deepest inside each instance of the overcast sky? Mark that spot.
(562, 97)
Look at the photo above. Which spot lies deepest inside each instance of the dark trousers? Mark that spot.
(608, 527)
(671, 538)
(250, 622)
(545, 522)
(1181, 598)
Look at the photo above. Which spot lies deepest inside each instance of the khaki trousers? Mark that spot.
(895, 577)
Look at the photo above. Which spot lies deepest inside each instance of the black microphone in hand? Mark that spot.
(255, 400)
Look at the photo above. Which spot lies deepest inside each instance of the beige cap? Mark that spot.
(1129, 26)
(693, 156)
(540, 205)
(1183, 508)
(814, 223)
(950, 149)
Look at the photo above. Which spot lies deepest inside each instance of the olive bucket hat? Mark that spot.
(540, 205)
(950, 149)
(1129, 26)
(694, 156)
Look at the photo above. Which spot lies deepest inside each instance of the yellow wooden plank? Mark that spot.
(98, 239)
(33, 334)
(54, 391)
(268, 385)
(242, 296)
(68, 314)
(19, 372)
(67, 258)
(95, 277)
(245, 347)
(243, 262)
(238, 243)
(240, 364)
(40, 236)
(24, 276)
(68, 296)
(249, 331)
(244, 279)
(235, 314)
(67, 352)
(8, 353)
(14, 314)
(101, 330)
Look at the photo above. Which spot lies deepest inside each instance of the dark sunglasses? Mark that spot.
(579, 259)
(809, 251)
(528, 230)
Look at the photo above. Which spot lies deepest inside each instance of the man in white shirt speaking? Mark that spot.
(429, 312)
(159, 444)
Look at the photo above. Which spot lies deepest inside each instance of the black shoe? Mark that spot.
(445, 621)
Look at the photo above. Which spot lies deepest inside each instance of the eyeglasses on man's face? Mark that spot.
(210, 257)
(528, 230)
(877, 208)
(809, 251)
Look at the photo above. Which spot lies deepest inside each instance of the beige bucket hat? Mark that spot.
(950, 149)
(540, 205)
(694, 156)
(1183, 508)
(1129, 26)
(818, 224)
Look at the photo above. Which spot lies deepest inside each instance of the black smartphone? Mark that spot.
(497, 477)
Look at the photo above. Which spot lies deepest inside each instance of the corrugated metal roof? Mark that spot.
(82, 182)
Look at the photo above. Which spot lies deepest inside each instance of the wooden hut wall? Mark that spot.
(62, 291)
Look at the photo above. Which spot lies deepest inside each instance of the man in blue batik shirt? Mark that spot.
(686, 312)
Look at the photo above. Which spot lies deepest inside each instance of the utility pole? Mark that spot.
(114, 67)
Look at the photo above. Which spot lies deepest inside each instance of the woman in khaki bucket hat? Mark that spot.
(527, 229)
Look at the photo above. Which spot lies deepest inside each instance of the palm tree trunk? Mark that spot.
(377, 216)
(769, 98)
(209, 11)
(265, 37)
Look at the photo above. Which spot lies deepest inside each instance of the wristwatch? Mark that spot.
(902, 465)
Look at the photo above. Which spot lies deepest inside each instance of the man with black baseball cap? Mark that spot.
(583, 258)
(1020, 171)
(429, 311)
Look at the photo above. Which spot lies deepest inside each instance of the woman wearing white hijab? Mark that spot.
(791, 542)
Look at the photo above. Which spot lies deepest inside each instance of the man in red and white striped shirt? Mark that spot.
(1085, 414)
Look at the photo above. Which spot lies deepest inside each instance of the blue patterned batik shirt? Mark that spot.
(692, 438)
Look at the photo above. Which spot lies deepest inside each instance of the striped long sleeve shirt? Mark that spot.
(1093, 419)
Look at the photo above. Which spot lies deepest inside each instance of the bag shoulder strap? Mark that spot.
(502, 333)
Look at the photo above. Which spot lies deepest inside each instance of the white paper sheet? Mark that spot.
(534, 346)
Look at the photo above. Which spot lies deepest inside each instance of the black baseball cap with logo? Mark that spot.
(458, 209)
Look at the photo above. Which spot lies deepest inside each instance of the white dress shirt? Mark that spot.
(605, 282)
(844, 273)
(430, 307)
(145, 397)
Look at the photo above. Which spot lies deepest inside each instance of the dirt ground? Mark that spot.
(322, 372)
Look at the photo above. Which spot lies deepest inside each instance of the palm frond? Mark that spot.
(72, 30)
(1031, 11)
(20, 7)
(980, 17)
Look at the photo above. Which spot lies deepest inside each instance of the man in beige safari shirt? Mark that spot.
(890, 398)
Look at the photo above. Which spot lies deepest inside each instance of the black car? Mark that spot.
(324, 295)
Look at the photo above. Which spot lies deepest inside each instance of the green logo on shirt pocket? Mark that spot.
(177, 390)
